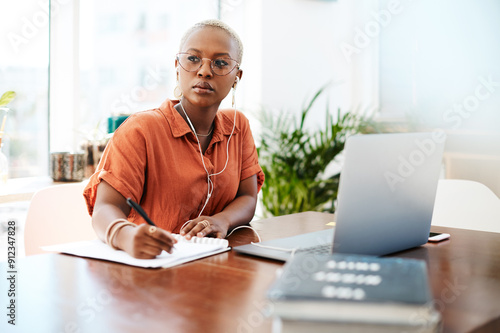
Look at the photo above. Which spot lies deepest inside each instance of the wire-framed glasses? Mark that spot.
(220, 66)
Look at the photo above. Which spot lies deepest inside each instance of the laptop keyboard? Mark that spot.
(317, 249)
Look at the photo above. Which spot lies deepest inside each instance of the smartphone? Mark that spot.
(438, 236)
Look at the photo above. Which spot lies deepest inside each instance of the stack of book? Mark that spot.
(353, 293)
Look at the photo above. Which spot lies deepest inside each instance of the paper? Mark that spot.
(183, 252)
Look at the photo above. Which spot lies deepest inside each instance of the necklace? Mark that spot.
(192, 126)
(205, 135)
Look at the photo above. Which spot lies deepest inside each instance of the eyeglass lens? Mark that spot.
(220, 66)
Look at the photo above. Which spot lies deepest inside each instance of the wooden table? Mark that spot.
(226, 292)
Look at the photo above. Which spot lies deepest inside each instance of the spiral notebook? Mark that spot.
(184, 251)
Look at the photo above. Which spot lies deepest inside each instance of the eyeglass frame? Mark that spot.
(201, 63)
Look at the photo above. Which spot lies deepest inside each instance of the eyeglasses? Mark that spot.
(220, 66)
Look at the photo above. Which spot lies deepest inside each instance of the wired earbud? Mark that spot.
(233, 99)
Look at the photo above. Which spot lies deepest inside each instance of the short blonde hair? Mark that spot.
(219, 25)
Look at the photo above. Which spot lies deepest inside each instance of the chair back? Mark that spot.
(466, 204)
(57, 214)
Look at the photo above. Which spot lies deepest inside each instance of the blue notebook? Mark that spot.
(355, 289)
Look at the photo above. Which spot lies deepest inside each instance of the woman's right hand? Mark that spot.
(144, 241)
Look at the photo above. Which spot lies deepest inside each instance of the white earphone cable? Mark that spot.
(210, 184)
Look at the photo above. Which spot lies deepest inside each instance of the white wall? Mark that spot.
(293, 48)
(436, 63)
(300, 53)
(395, 56)
(434, 58)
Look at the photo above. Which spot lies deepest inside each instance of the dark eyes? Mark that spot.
(220, 66)
(193, 59)
(219, 63)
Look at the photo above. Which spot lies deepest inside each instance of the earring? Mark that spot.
(177, 90)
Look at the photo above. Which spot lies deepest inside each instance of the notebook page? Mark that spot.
(202, 240)
(183, 252)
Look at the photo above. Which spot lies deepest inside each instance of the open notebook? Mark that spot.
(184, 251)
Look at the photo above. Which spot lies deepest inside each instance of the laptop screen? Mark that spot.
(387, 190)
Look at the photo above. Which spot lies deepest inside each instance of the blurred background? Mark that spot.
(78, 67)
(410, 65)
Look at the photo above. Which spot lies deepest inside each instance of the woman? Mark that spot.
(192, 167)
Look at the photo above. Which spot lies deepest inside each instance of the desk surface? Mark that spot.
(226, 292)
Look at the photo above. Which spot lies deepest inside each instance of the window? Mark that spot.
(24, 61)
(122, 62)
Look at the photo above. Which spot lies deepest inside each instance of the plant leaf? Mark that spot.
(294, 159)
(7, 97)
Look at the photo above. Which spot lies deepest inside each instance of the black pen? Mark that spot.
(139, 210)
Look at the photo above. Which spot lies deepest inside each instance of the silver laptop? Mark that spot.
(385, 199)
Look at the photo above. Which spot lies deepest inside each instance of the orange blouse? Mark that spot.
(154, 158)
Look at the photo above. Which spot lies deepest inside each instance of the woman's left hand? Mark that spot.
(204, 226)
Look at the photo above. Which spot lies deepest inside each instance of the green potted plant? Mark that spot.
(294, 159)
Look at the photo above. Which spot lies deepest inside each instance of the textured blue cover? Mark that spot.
(341, 277)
